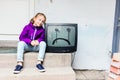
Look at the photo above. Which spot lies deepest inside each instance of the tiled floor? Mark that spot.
(90, 75)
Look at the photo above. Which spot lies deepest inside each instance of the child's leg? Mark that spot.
(20, 51)
(42, 48)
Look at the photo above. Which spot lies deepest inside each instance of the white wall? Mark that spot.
(95, 20)
(14, 15)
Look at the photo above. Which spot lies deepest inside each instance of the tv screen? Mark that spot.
(61, 37)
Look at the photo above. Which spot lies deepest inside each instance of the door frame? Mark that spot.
(116, 32)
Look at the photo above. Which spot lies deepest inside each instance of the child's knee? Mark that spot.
(21, 43)
(43, 43)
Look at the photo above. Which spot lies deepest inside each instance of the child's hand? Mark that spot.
(34, 42)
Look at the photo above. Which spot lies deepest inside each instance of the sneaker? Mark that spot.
(18, 69)
(40, 68)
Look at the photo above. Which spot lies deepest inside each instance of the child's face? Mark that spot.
(39, 20)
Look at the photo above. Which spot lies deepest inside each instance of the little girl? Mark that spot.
(32, 38)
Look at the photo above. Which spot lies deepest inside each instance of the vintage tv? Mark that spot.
(61, 37)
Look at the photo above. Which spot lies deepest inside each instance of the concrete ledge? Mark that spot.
(30, 60)
(8, 43)
(58, 67)
(61, 73)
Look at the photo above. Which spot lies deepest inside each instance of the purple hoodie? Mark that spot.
(31, 32)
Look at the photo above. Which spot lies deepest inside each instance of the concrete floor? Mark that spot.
(90, 74)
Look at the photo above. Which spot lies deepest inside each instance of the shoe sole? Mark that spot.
(17, 72)
(42, 70)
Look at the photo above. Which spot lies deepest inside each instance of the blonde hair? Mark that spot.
(32, 20)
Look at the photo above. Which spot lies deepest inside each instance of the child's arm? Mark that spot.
(24, 37)
(42, 36)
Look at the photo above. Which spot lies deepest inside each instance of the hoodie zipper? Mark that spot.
(34, 34)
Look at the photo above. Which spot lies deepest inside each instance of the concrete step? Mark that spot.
(58, 67)
(8, 43)
(61, 73)
(30, 60)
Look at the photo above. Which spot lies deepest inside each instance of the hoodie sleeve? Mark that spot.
(42, 36)
(24, 35)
